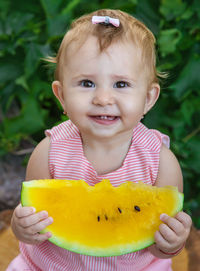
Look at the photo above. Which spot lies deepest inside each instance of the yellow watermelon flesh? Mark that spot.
(101, 220)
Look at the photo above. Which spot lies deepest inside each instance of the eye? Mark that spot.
(121, 84)
(87, 84)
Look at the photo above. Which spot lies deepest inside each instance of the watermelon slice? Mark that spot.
(101, 220)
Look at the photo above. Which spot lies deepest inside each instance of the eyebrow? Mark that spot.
(119, 76)
(122, 77)
(82, 75)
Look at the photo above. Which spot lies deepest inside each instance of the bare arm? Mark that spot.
(26, 223)
(38, 163)
(169, 172)
(174, 231)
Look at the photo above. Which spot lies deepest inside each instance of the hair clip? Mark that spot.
(106, 20)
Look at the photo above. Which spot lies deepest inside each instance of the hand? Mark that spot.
(26, 224)
(173, 233)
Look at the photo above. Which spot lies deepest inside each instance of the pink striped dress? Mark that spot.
(67, 161)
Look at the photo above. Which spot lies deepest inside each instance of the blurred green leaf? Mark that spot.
(51, 7)
(172, 9)
(6, 96)
(16, 23)
(196, 7)
(189, 77)
(70, 6)
(34, 54)
(10, 69)
(29, 121)
(147, 12)
(187, 110)
(168, 40)
(193, 146)
(187, 14)
(57, 25)
(21, 81)
(4, 8)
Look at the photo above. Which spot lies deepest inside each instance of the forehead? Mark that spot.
(121, 56)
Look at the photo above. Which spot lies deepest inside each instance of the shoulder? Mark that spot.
(37, 167)
(149, 139)
(169, 172)
(62, 131)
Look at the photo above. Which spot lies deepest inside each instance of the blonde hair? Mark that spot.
(130, 29)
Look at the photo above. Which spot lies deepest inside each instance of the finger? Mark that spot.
(161, 243)
(24, 211)
(32, 219)
(167, 233)
(174, 224)
(39, 226)
(38, 238)
(185, 219)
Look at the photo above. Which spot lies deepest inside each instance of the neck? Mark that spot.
(106, 155)
(107, 144)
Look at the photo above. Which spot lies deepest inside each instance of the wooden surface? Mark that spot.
(180, 262)
(9, 247)
(193, 250)
(187, 260)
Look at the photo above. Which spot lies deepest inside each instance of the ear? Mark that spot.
(58, 92)
(152, 96)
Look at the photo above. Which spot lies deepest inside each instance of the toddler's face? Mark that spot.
(105, 94)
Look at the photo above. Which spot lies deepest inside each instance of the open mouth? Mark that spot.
(106, 117)
(102, 119)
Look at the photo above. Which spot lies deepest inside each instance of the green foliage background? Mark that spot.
(30, 30)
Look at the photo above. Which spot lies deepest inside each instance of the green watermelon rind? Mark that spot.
(99, 252)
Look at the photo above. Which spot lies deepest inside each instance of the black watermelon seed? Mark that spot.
(137, 208)
(98, 218)
(119, 210)
(106, 217)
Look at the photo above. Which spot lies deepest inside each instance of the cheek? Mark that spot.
(76, 105)
(132, 105)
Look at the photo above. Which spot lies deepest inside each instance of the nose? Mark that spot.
(103, 97)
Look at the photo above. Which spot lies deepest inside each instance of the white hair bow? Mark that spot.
(105, 20)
